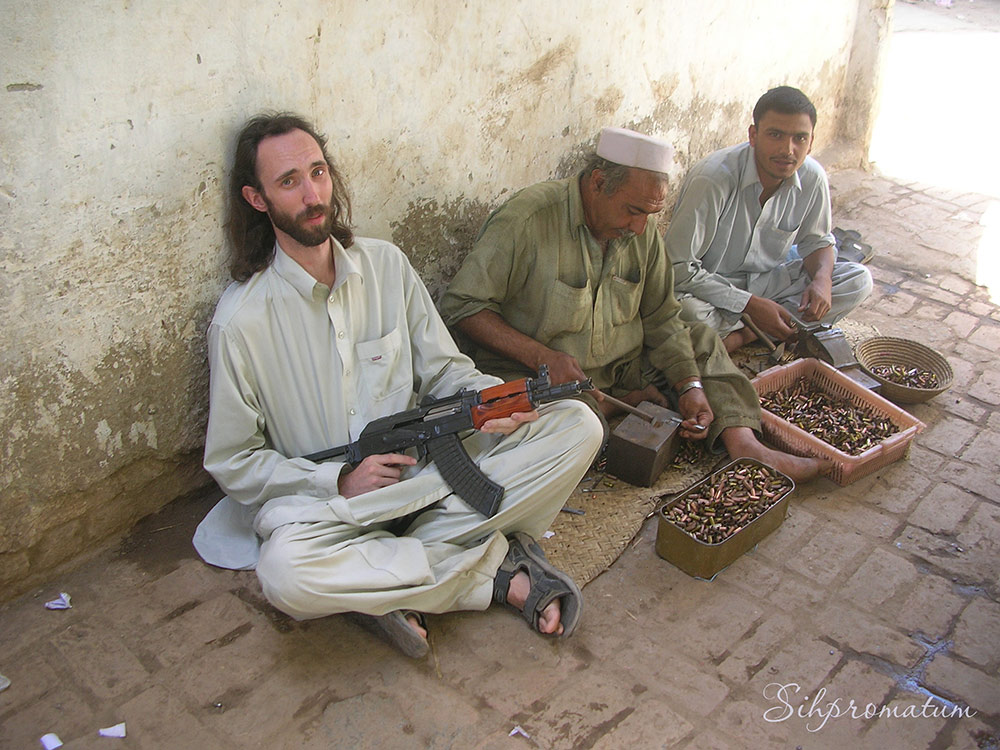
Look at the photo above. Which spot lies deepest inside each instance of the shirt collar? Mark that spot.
(289, 270)
(303, 282)
(344, 265)
(577, 218)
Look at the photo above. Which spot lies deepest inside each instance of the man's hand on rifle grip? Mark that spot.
(379, 470)
(563, 368)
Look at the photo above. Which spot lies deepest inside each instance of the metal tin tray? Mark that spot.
(702, 560)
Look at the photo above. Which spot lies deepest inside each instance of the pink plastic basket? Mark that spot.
(822, 376)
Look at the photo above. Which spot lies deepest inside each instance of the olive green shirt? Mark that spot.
(536, 264)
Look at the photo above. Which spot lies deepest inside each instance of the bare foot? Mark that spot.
(741, 442)
(517, 593)
(738, 338)
(414, 622)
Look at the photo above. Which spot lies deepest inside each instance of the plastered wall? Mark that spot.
(117, 126)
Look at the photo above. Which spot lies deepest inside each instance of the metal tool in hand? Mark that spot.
(654, 421)
(830, 344)
(775, 351)
(748, 322)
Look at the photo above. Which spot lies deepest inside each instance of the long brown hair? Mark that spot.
(251, 236)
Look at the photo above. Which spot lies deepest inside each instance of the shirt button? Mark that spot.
(347, 373)
(353, 412)
(340, 335)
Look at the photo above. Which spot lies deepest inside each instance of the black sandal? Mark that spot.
(547, 584)
(850, 248)
(395, 629)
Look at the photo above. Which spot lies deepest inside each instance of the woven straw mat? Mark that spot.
(585, 545)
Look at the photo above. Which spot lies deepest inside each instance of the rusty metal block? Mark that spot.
(638, 449)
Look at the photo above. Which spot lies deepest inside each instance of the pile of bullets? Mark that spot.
(849, 427)
(690, 452)
(910, 377)
(735, 497)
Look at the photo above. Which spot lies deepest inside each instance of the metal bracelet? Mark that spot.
(688, 386)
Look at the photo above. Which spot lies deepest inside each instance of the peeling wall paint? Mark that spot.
(117, 131)
(437, 237)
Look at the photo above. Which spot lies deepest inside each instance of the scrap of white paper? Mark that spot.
(50, 741)
(61, 603)
(548, 535)
(518, 730)
(118, 730)
(4, 683)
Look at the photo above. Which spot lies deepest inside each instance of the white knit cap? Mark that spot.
(631, 149)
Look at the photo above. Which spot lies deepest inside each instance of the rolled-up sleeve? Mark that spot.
(814, 232)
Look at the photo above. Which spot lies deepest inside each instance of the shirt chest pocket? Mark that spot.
(568, 310)
(772, 244)
(624, 299)
(384, 370)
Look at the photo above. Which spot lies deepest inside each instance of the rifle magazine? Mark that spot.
(463, 476)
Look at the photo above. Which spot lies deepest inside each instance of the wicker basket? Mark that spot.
(886, 350)
(792, 439)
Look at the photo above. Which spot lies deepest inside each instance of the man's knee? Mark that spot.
(581, 422)
(864, 283)
(695, 310)
(852, 284)
(852, 277)
(280, 577)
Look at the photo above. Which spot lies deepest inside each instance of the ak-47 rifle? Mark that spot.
(433, 428)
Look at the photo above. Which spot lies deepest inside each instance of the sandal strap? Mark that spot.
(547, 583)
(512, 563)
(418, 616)
(542, 594)
(501, 584)
(394, 629)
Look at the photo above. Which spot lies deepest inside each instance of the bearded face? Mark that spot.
(310, 227)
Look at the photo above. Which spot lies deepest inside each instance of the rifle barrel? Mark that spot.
(327, 454)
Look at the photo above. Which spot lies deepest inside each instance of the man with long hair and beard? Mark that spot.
(321, 333)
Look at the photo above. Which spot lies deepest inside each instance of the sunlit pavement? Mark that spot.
(940, 109)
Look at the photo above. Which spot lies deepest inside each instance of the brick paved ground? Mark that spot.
(883, 592)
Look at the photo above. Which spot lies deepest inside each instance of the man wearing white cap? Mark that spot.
(738, 215)
(572, 274)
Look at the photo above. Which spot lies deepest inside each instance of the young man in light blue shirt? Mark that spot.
(740, 213)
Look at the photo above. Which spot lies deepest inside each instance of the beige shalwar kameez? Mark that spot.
(297, 367)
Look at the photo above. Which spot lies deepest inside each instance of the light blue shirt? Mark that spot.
(723, 243)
